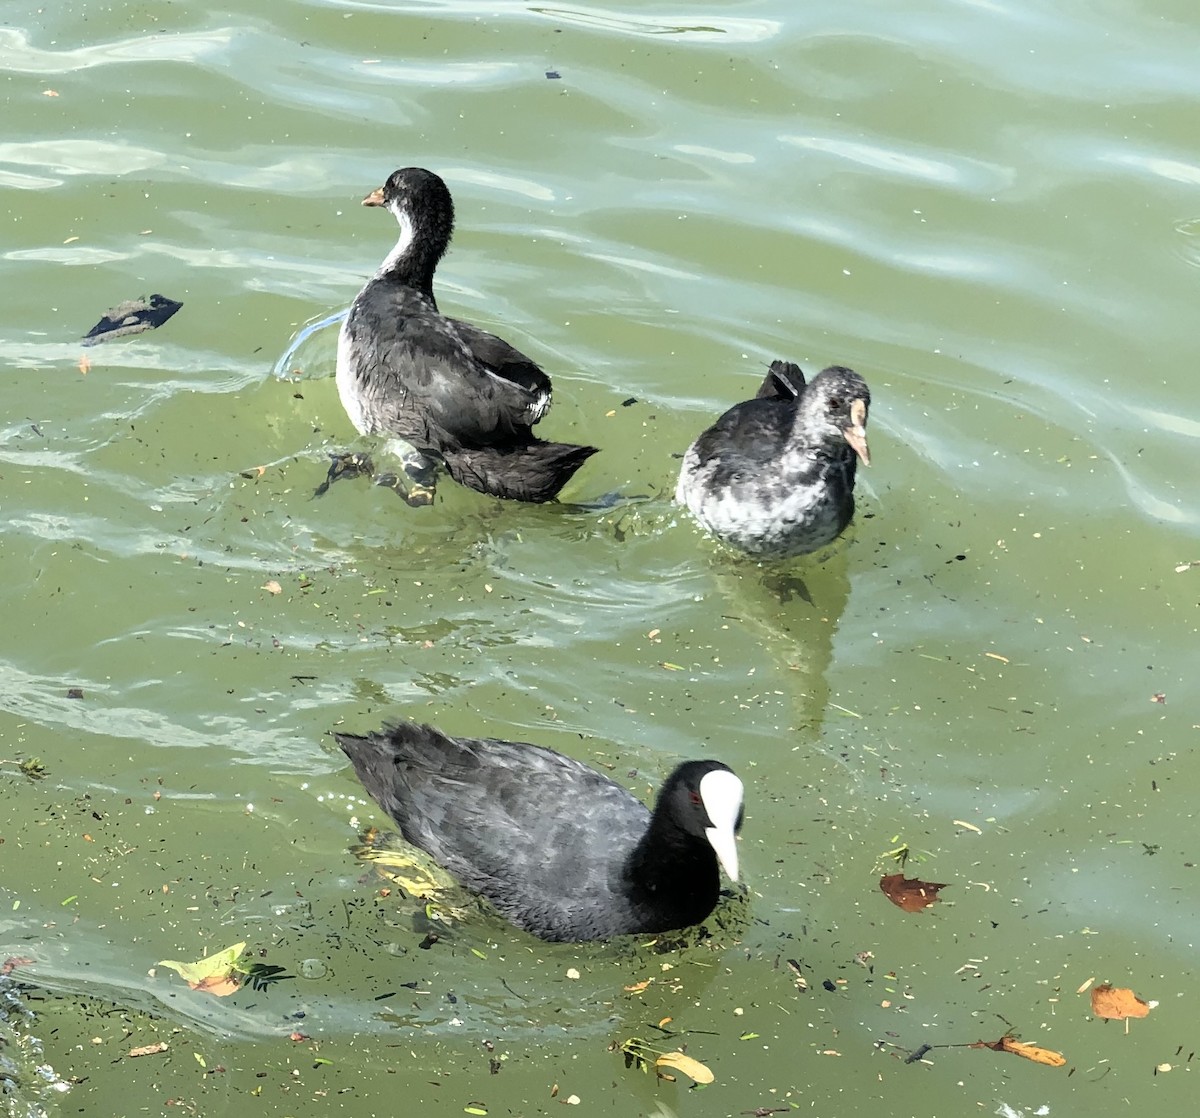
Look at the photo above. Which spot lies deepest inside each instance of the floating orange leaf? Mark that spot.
(148, 1049)
(1032, 1052)
(909, 893)
(1117, 1003)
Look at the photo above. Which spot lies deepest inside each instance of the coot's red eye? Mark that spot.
(694, 797)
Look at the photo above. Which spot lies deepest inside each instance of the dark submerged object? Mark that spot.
(774, 476)
(457, 394)
(134, 316)
(557, 848)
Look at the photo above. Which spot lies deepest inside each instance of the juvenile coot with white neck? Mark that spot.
(454, 393)
(774, 476)
(559, 849)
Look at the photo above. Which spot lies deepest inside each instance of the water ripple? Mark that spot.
(18, 54)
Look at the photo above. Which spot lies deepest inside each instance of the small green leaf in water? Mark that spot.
(321, 1060)
(73, 897)
(670, 667)
(475, 1108)
(200, 1059)
(748, 1036)
(215, 974)
(33, 768)
(475, 951)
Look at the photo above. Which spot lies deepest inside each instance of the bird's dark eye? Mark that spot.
(694, 797)
(835, 402)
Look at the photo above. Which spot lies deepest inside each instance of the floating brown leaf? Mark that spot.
(1117, 1003)
(148, 1049)
(909, 893)
(1032, 1052)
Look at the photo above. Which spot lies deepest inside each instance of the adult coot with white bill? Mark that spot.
(558, 848)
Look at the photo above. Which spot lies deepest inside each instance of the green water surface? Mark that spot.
(988, 209)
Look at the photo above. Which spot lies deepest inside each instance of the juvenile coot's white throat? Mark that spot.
(455, 394)
(774, 476)
(559, 849)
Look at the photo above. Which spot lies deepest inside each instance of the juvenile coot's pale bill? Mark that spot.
(455, 394)
(774, 476)
(559, 849)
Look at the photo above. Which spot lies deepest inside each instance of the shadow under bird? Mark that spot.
(456, 395)
(774, 476)
(559, 849)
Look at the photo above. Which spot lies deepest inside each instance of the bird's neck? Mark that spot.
(414, 258)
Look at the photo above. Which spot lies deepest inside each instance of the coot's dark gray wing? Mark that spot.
(503, 359)
(749, 437)
(418, 378)
(543, 837)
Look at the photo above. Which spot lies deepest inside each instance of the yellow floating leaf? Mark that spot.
(693, 1069)
(216, 975)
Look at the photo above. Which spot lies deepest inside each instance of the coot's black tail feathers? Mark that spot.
(397, 743)
(784, 381)
(393, 761)
(374, 765)
(534, 472)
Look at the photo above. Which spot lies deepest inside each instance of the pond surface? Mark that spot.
(990, 210)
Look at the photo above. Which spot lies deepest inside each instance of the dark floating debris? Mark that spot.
(134, 316)
(553, 74)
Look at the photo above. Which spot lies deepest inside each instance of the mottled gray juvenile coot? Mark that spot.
(774, 476)
(559, 849)
(454, 393)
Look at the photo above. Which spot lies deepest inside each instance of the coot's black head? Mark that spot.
(420, 202)
(837, 400)
(704, 800)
